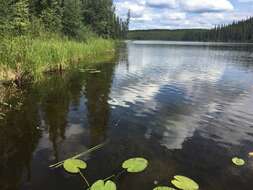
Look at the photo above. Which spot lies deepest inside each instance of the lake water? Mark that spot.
(185, 107)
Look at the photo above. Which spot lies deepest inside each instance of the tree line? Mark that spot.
(240, 31)
(73, 18)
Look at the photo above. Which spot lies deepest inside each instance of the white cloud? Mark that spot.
(173, 14)
(135, 8)
(245, 1)
(206, 5)
(162, 3)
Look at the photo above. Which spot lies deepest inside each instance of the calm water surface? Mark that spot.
(186, 107)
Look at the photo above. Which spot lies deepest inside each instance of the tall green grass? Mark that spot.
(26, 55)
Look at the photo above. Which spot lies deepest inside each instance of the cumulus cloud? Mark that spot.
(245, 1)
(206, 5)
(162, 3)
(171, 14)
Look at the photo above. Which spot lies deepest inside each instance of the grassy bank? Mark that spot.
(26, 56)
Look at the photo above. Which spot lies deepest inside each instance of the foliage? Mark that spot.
(238, 161)
(135, 165)
(184, 183)
(20, 20)
(164, 188)
(66, 17)
(42, 35)
(72, 18)
(241, 31)
(170, 35)
(100, 15)
(74, 165)
(35, 56)
(101, 185)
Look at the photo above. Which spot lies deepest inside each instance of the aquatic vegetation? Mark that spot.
(238, 161)
(59, 164)
(135, 165)
(2, 115)
(74, 165)
(102, 185)
(184, 183)
(164, 188)
(95, 71)
(24, 56)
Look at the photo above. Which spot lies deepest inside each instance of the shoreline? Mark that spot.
(26, 58)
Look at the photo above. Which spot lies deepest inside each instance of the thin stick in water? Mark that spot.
(86, 181)
(58, 164)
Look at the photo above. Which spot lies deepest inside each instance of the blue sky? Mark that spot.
(173, 14)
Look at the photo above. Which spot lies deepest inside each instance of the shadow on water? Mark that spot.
(187, 114)
(34, 136)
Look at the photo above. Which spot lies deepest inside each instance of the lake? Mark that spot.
(186, 107)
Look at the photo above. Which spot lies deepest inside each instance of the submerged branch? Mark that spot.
(58, 164)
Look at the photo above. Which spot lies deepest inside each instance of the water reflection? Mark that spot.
(180, 87)
(187, 108)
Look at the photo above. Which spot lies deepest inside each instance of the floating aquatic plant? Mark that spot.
(184, 183)
(135, 165)
(95, 71)
(238, 161)
(59, 164)
(102, 185)
(74, 165)
(164, 188)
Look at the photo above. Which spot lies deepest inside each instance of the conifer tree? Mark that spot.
(20, 18)
(51, 15)
(72, 18)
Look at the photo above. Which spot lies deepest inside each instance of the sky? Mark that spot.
(175, 14)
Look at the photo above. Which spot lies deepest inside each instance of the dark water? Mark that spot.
(186, 107)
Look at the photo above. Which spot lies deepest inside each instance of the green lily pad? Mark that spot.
(164, 188)
(95, 71)
(74, 165)
(184, 183)
(238, 161)
(101, 185)
(135, 165)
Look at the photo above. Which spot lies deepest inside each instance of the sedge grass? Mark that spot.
(24, 54)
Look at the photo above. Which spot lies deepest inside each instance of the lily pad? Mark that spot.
(164, 188)
(238, 161)
(135, 165)
(101, 185)
(94, 71)
(74, 165)
(184, 183)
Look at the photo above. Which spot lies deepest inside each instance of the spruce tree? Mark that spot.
(20, 18)
(51, 15)
(72, 18)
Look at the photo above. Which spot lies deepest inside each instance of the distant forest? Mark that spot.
(241, 31)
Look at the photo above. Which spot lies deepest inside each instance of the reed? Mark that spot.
(24, 55)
